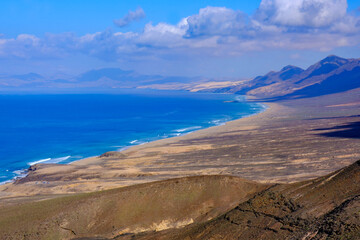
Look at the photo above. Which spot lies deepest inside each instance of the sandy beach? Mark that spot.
(291, 141)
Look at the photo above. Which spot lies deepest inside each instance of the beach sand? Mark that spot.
(291, 141)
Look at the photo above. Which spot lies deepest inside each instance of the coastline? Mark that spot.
(269, 111)
(95, 159)
(22, 173)
(166, 140)
(288, 142)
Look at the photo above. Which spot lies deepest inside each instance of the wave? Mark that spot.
(60, 159)
(50, 160)
(140, 142)
(39, 161)
(182, 130)
(123, 149)
(7, 181)
(240, 98)
(127, 147)
(174, 135)
(20, 174)
(219, 122)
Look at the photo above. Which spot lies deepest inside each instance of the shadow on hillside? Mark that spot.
(350, 130)
(326, 118)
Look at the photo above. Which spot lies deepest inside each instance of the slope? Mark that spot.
(325, 208)
(152, 206)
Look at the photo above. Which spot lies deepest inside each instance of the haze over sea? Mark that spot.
(61, 128)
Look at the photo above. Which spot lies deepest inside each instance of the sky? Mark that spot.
(211, 38)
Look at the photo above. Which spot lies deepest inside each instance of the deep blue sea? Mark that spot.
(61, 128)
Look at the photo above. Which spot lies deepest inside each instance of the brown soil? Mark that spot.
(145, 207)
(324, 208)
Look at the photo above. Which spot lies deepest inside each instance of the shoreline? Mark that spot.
(265, 107)
(22, 173)
(289, 142)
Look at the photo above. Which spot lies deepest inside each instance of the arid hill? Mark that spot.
(145, 207)
(205, 207)
(325, 208)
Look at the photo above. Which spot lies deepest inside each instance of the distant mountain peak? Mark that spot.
(288, 67)
(334, 59)
(96, 74)
(29, 76)
(109, 71)
(325, 66)
(332, 74)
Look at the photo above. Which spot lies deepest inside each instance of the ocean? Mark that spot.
(62, 128)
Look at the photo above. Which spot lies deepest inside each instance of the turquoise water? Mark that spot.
(61, 128)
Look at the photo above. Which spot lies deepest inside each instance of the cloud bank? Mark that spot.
(319, 25)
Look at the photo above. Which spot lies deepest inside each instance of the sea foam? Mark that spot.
(182, 130)
(50, 160)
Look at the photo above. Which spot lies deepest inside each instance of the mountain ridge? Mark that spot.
(290, 82)
(103, 78)
(294, 82)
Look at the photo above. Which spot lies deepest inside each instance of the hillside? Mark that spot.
(324, 208)
(331, 75)
(144, 207)
(216, 207)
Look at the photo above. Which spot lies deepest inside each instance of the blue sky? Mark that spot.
(86, 16)
(214, 38)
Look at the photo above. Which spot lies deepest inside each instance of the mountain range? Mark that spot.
(331, 75)
(105, 78)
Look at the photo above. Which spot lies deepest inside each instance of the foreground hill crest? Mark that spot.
(216, 207)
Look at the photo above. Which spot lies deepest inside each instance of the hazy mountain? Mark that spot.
(325, 66)
(28, 77)
(24, 80)
(331, 75)
(342, 79)
(105, 78)
(111, 73)
(271, 78)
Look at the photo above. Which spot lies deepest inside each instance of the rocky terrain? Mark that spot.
(207, 207)
(324, 208)
(146, 207)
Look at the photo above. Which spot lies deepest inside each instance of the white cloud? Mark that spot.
(216, 21)
(214, 31)
(23, 46)
(130, 17)
(302, 13)
(163, 35)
